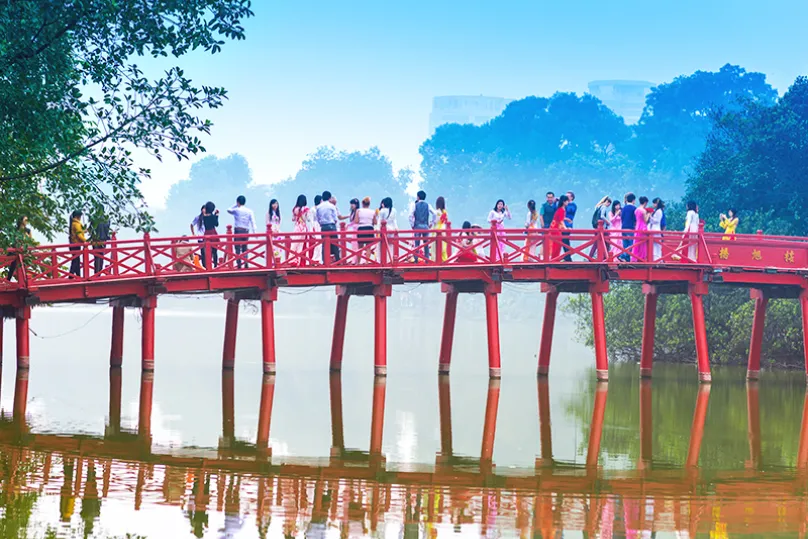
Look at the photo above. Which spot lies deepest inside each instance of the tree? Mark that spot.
(677, 115)
(74, 105)
(347, 175)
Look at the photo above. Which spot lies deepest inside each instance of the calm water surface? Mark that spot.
(415, 455)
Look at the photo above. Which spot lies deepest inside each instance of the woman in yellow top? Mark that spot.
(729, 223)
(77, 241)
(442, 223)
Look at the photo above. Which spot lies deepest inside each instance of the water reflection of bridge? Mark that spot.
(359, 489)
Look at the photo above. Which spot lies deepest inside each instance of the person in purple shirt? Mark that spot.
(629, 223)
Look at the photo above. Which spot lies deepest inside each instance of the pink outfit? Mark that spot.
(615, 235)
(640, 250)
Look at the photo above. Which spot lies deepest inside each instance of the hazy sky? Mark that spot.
(355, 74)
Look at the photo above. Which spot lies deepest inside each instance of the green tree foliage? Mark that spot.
(677, 115)
(347, 175)
(74, 103)
(756, 160)
(753, 154)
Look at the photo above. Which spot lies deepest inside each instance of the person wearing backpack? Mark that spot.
(600, 215)
(422, 217)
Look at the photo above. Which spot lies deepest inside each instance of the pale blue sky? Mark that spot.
(354, 74)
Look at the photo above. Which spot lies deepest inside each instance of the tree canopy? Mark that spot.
(74, 104)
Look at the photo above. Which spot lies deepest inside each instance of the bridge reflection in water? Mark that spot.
(359, 492)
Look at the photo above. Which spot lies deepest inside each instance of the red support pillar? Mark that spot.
(115, 383)
(697, 430)
(756, 341)
(548, 325)
(338, 340)
(146, 397)
(596, 430)
(490, 425)
(646, 424)
(147, 344)
(445, 403)
(447, 337)
(230, 332)
(116, 349)
(23, 336)
(265, 412)
(697, 292)
(337, 431)
(268, 299)
(753, 424)
(228, 405)
(544, 422)
(492, 321)
(596, 290)
(380, 295)
(377, 419)
(648, 330)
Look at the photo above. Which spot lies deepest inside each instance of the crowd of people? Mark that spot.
(626, 221)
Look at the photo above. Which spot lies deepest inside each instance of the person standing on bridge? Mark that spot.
(422, 218)
(210, 220)
(639, 251)
(497, 218)
(548, 210)
(628, 224)
(557, 226)
(655, 226)
(365, 219)
(273, 219)
(326, 215)
(77, 241)
(387, 217)
(243, 223)
(572, 209)
(442, 223)
(616, 223)
(531, 223)
(301, 219)
(692, 222)
(729, 223)
(99, 237)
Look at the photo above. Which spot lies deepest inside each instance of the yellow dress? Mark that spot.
(441, 224)
(729, 226)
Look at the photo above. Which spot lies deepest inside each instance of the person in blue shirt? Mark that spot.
(629, 223)
(548, 210)
(572, 209)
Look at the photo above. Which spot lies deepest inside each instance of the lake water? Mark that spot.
(415, 455)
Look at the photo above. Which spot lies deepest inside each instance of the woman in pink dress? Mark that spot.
(301, 219)
(640, 250)
(615, 224)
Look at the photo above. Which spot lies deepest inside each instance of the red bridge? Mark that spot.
(254, 266)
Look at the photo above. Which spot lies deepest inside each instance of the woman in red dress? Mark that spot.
(557, 225)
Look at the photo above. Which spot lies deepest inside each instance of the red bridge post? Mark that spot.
(547, 328)
(596, 430)
(20, 397)
(648, 330)
(696, 293)
(377, 418)
(802, 452)
(545, 426)
(338, 339)
(228, 406)
(697, 429)
(490, 425)
(116, 348)
(23, 337)
(492, 322)
(268, 299)
(596, 290)
(447, 336)
(265, 411)
(147, 342)
(230, 332)
(115, 382)
(756, 341)
(380, 295)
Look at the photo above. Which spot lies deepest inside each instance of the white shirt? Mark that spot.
(388, 216)
(655, 222)
(326, 213)
(498, 217)
(692, 221)
(365, 216)
(243, 217)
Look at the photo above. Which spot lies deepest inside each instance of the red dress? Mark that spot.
(556, 226)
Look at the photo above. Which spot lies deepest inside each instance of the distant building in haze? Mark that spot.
(465, 109)
(625, 97)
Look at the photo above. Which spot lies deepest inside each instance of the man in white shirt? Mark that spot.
(243, 223)
(327, 215)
